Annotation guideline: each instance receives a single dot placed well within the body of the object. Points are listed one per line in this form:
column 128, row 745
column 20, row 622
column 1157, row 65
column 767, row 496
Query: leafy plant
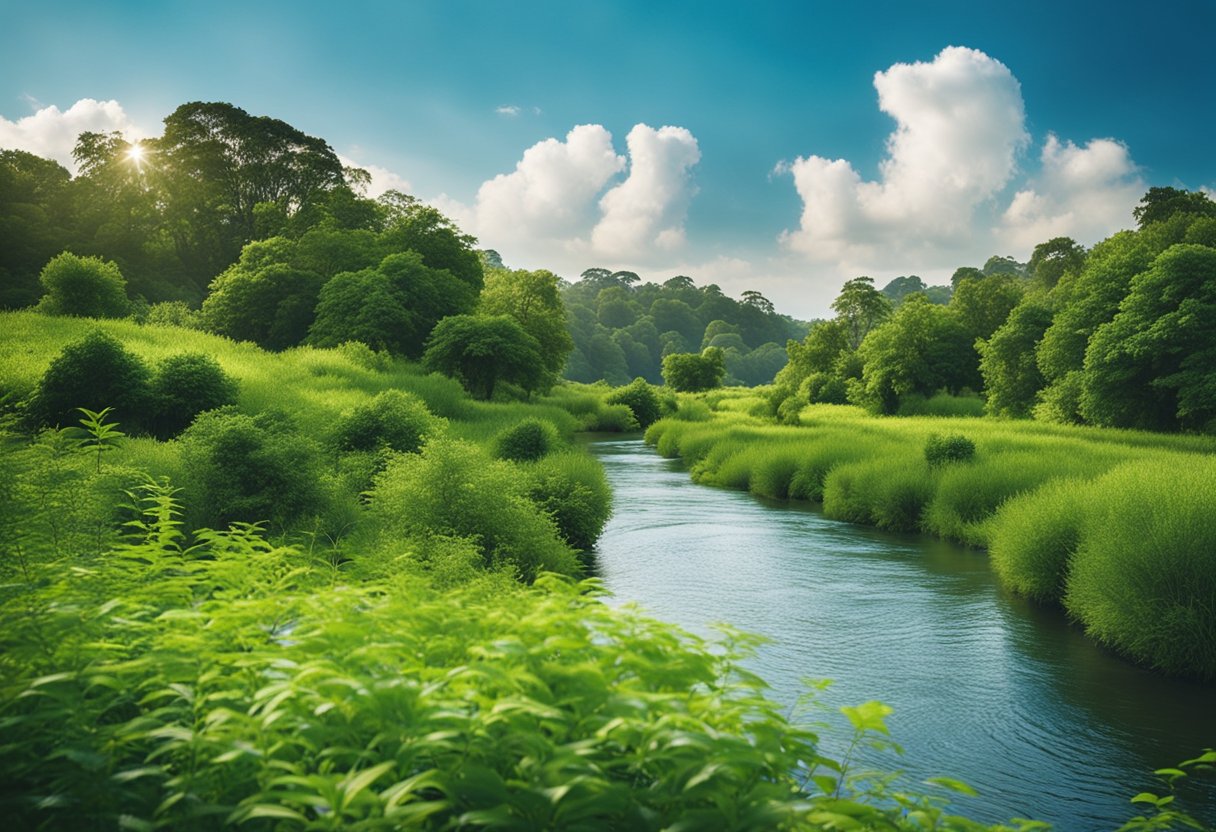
column 97, row 434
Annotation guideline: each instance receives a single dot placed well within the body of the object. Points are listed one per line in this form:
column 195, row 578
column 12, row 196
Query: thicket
column 185, row 385
column 641, row 399
column 526, row 441
column 96, row 372
column 1082, row 517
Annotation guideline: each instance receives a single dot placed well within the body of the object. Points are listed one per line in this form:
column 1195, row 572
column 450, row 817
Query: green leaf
column 352, row 786
column 953, row 785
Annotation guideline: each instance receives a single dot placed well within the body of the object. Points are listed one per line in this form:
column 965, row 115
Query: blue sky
column 783, row 172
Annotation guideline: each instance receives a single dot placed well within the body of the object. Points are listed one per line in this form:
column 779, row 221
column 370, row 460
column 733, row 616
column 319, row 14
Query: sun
column 136, row 153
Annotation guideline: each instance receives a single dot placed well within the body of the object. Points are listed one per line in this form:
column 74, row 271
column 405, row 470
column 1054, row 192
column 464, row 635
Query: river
column 987, row 688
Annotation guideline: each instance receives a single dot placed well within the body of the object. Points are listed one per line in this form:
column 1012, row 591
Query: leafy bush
column 392, row 420
column 173, row 313
column 641, row 399
column 95, row 372
column 942, row 449
column 184, row 386
column 693, row 410
column 249, row 469
column 86, row 287
column 572, row 489
column 453, row 489
column 526, row 441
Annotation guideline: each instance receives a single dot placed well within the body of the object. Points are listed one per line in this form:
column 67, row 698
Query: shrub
column 95, row 372
column 693, row 410
column 1144, row 576
column 451, row 488
column 1034, row 535
column 572, row 489
column 641, row 399
column 392, row 420
column 526, row 441
column 249, row 469
column 184, row 386
column 942, row 449
column 173, row 313
column 86, row 287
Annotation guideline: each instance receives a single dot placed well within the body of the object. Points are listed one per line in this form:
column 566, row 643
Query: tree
column 1151, row 366
column 85, row 287
column 258, row 299
column 901, row 287
column 692, row 373
column 758, row 301
column 482, row 350
column 35, row 215
column 412, row 225
column 996, row 264
column 962, row 273
column 922, row 349
column 1162, row 203
column 362, row 306
column 222, row 161
column 1007, row 360
column 1052, row 259
column 983, row 305
column 860, row 307
column 532, row 299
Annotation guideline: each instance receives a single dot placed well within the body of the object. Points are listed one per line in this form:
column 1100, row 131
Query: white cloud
column 51, row 132
column 382, row 179
column 509, row 110
column 647, row 210
column 565, row 205
column 1079, row 192
column 959, row 129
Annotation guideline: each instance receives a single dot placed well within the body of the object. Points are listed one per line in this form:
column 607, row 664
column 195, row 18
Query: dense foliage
column 623, row 328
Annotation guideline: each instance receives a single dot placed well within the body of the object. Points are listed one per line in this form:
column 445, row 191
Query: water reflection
column 986, row 687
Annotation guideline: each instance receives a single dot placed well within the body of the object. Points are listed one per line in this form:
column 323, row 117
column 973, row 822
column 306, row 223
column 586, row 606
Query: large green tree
column 532, row 299
column 482, row 350
column 922, row 349
column 1007, row 359
column 860, row 307
column 692, row 372
column 1154, row 365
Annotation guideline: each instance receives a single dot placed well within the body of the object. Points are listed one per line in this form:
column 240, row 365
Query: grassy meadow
column 1113, row 525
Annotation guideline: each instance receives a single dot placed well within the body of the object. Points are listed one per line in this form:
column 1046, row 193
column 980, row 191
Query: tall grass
column 1035, row 537
column 1144, row 576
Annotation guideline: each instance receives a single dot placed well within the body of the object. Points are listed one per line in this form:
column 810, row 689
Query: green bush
column 572, row 489
column 452, row 488
column 184, row 386
column 1034, row 536
column 173, row 313
column 1143, row 579
column 95, row 372
column 693, row 410
column 85, row 287
column 942, row 449
column 250, row 469
column 641, row 400
column 392, row 420
column 526, row 441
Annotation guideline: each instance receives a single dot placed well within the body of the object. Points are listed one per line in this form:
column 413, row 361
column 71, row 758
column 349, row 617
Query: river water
column 987, row 688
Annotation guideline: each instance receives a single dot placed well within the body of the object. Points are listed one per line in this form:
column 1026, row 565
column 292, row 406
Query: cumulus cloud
column 566, row 203
column 1079, row 192
column 51, row 132
column 382, row 179
column 509, row 110
column 959, row 129
column 647, row 210
column 549, row 196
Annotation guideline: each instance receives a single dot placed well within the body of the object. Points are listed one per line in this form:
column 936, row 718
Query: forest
column 298, row 531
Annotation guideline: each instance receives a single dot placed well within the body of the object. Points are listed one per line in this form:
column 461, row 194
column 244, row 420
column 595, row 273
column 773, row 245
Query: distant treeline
column 624, row 328
column 1119, row 335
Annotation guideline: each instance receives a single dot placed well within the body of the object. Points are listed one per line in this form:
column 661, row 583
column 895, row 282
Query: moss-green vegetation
column 1102, row 521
